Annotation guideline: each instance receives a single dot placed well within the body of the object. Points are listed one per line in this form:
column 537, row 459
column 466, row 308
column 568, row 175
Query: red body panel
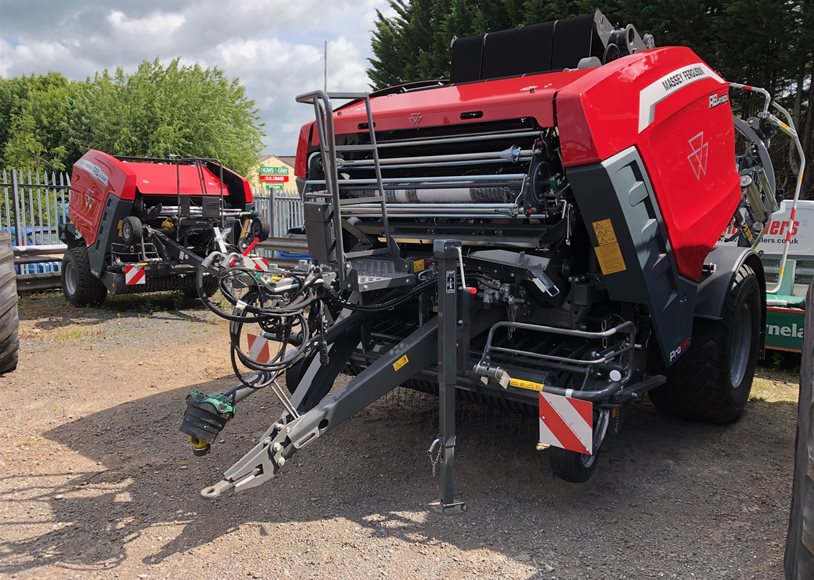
column 665, row 102
column 162, row 179
column 95, row 177
column 687, row 145
column 498, row 100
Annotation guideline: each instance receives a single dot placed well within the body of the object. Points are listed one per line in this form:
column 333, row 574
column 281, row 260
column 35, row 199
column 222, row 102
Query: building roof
column 287, row 159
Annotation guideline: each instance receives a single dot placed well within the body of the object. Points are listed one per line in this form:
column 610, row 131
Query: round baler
column 142, row 224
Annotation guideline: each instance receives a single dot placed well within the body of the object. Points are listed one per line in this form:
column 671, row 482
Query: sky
column 274, row 47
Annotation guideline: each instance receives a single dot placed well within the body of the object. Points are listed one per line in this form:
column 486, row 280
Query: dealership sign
column 774, row 238
column 268, row 170
column 784, row 328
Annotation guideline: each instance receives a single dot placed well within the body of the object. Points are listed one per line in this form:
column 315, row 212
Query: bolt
column 276, row 447
column 280, row 461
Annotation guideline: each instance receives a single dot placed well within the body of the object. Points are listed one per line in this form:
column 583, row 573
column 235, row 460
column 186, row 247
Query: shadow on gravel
column 50, row 310
column 374, row 474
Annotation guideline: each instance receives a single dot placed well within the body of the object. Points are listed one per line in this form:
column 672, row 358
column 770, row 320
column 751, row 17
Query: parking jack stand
column 447, row 254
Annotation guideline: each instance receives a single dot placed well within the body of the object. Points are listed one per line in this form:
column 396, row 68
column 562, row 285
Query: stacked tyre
column 9, row 321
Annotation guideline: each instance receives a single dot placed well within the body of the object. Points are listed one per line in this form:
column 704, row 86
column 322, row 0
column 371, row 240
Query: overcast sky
column 273, row 46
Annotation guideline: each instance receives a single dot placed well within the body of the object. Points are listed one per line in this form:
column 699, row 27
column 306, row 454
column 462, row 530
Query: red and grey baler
column 539, row 231
column 143, row 224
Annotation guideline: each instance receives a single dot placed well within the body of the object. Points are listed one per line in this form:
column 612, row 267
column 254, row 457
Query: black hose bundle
column 290, row 310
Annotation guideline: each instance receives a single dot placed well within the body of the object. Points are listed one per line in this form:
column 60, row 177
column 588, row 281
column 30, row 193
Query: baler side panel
column 97, row 177
column 675, row 110
column 618, row 206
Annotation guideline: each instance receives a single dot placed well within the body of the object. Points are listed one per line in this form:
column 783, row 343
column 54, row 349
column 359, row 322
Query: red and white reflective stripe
column 134, row 274
column 258, row 349
column 261, row 264
column 566, row 423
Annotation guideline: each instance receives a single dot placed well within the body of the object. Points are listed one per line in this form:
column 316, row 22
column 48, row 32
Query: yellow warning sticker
column 608, row 252
column 418, row 266
column 528, row 385
column 605, row 234
column 400, row 363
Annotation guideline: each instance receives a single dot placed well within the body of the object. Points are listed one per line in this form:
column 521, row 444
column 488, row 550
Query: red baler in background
column 143, row 225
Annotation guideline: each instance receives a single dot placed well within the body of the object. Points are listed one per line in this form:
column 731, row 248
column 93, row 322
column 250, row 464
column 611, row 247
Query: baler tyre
column 132, row 230
column 210, row 287
column 799, row 553
column 572, row 466
column 260, row 228
column 9, row 319
column 80, row 286
column 712, row 380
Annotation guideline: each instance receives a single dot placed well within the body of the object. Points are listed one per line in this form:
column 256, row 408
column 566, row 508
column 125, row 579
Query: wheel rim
column 587, row 460
column 70, row 278
column 740, row 345
column 126, row 230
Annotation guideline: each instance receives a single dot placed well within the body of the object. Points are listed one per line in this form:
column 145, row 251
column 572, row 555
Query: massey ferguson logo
column 415, row 119
column 700, row 154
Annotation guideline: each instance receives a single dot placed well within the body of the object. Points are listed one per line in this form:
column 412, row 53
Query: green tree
column 765, row 43
column 48, row 122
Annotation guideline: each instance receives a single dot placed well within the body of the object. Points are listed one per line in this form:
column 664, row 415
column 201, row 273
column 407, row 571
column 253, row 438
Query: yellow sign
column 418, row 266
column 608, row 252
column 528, row 385
column 400, row 363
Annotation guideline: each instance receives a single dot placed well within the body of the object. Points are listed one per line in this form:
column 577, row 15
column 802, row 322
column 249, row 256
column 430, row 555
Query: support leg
column 445, row 251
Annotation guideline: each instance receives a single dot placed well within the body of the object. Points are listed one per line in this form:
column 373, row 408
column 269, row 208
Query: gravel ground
column 97, row 481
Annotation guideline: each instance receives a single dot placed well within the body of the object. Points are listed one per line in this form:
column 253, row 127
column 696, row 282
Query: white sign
column 774, row 237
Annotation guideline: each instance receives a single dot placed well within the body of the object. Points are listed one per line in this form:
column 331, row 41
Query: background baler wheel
column 9, row 320
column 79, row 285
column 132, row 230
column 711, row 381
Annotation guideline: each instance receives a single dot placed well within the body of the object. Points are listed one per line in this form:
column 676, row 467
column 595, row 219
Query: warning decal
column 566, row 422
column 134, row 274
column 529, row 385
column 258, row 349
column 608, row 252
column 400, row 363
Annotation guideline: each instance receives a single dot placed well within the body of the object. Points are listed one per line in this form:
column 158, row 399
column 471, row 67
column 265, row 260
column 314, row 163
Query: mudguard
column 712, row 291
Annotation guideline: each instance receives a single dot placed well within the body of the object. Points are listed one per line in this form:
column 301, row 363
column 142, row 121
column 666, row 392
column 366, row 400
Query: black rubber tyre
column 210, row 287
column 572, row 466
column 132, row 230
column 712, row 380
column 9, row 320
column 260, row 228
column 80, row 286
column 799, row 557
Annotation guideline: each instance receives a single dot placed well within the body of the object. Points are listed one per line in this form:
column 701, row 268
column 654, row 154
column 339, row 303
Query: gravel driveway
column 96, row 479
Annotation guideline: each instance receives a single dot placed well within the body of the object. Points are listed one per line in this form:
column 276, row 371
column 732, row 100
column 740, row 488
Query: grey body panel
column 619, row 189
column 115, row 210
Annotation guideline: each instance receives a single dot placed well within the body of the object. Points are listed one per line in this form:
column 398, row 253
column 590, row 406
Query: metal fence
column 283, row 212
column 32, row 205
